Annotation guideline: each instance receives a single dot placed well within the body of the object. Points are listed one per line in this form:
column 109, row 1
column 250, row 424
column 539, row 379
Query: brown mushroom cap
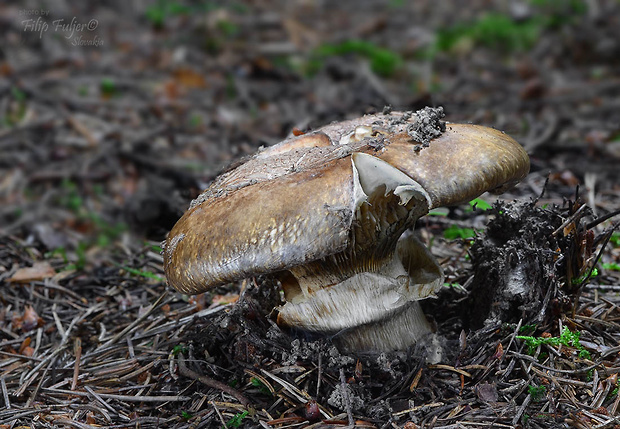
column 266, row 227
column 296, row 202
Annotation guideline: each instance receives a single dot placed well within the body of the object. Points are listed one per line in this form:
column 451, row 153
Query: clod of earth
column 328, row 214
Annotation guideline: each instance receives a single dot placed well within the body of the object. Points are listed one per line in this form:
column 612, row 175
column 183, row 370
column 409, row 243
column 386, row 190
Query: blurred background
column 114, row 114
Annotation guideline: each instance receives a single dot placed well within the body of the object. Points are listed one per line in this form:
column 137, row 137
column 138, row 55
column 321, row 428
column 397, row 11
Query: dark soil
column 111, row 124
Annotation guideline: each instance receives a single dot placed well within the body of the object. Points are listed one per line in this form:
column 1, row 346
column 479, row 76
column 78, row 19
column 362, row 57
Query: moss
column 382, row 61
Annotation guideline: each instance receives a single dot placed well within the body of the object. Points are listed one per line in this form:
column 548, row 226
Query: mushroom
column 330, row 214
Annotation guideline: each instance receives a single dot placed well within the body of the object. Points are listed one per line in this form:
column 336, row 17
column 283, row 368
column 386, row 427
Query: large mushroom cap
column 296, row 202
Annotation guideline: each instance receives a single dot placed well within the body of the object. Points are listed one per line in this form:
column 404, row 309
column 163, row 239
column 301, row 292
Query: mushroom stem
column 373, row 309
column 363, row 295
column 399, row 331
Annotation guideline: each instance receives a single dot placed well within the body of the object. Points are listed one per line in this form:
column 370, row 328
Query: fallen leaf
column 229, row 298
column 199, row 301
column 565, row 177
column 189, row 78
column 499, row 351
column 27, row 321
column 25, row 343
column 38, row 271
column 27, row 351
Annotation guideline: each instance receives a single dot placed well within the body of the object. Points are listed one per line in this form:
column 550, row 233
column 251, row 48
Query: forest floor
column 113, row 117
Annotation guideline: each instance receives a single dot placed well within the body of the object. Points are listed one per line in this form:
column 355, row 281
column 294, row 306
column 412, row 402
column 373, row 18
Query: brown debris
column 39, row 271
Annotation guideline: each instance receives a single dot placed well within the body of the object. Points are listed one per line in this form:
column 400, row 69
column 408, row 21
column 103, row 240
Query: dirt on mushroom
column 427, row 124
